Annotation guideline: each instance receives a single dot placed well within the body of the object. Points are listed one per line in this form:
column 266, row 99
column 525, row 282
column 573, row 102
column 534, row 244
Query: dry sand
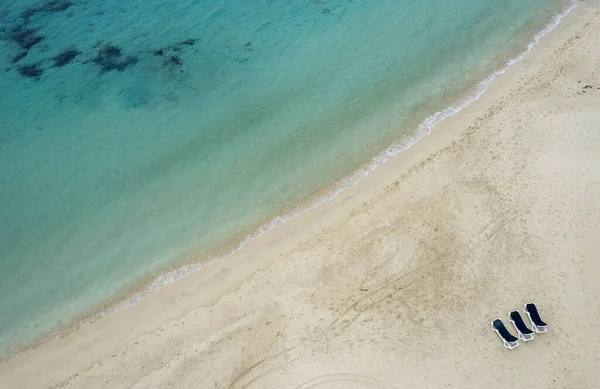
column 394, row 283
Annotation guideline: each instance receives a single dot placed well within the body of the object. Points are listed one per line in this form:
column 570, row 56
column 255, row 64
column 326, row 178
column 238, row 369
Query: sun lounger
column 524, row 333
column 537, row 323
column 508, row 339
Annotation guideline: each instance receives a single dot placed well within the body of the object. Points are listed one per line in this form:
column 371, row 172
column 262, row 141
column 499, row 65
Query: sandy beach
column 394, row 283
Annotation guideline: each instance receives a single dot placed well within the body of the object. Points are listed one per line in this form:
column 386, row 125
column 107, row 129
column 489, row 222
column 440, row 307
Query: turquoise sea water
column 135, row 134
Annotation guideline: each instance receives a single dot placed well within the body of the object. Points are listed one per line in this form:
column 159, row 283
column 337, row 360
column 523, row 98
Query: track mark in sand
column 268, row 365
column 270, row 370
column 382, row 293
column 265, row 366
column 489, row 231
column 370, row 297
column 347, row 380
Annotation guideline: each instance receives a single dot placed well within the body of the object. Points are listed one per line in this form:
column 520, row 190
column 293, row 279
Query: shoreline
column 213, row 293
column 357, row 176
column 351, row 180
column 134, row 294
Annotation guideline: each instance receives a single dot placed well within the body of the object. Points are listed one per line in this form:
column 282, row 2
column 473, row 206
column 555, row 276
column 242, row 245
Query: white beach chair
column 537, row 323
column 523, row 332
column 510, row 342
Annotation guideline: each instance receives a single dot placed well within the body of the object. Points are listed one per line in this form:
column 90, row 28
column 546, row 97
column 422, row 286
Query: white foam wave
column 353, row 179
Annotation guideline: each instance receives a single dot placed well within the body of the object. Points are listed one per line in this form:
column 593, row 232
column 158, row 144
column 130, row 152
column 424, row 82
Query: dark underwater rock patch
column 169, row 52
column 109, row 58
column 109, row 50
column 55, row 5
column 33, row 71
column 174, row 60
column 29, row 12
column 65, row 57
column 187, row 42
column 50, row 6
column 26, row 38
column 19, row 57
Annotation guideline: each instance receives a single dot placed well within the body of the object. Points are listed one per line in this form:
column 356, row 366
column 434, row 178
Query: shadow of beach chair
column 523, row 332
column 508, row 339
column 537, row 323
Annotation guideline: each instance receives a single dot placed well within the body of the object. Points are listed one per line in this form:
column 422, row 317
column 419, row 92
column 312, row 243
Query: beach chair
column 537, row 323
column 508, row 339
column 524, row 333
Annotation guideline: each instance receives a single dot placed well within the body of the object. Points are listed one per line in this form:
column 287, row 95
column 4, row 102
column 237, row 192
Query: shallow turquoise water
column 179, row 125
